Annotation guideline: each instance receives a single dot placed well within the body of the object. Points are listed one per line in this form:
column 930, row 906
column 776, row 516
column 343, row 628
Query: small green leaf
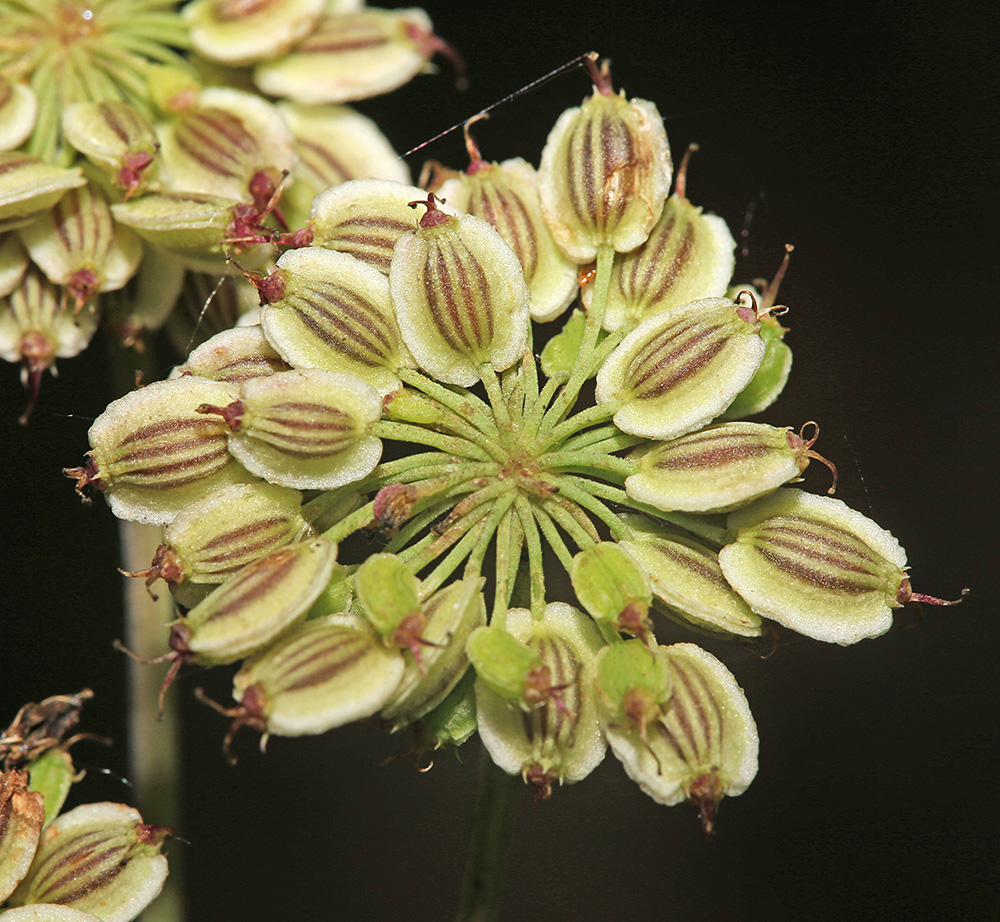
column 52, row 775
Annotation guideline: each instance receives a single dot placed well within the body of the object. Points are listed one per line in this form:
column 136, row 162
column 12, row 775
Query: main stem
column 487, row 857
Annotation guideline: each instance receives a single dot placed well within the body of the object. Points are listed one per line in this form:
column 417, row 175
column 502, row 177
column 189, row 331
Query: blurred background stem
column 154, row 755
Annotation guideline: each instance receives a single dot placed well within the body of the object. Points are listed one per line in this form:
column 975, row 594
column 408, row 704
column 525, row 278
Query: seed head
column 605, row 173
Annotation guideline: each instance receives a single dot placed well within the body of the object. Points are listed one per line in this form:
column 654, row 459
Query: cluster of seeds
column 138, row 150
column 409, row 321
column 96, row 862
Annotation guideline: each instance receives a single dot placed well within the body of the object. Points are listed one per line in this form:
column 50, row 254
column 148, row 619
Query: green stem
column 530, row 369
column 581, row 491
column 533, row 421
column 512, row 388
column 604, row 438
column 555, row 540
column 153, row 735
column 535, row 561
column 576, row 423
column 592, row 460
column 503, row 573
column 462, row 549
column 404, row 432
column 465, row 404
column 347, row 526
column 595, row 317
column 390, row 471
column 573, row 520
column 499, row 514
column 495, row 393
column 699, row 525
column 463, row 516
column 487, row 857
column 463, row 429
column 416, row 526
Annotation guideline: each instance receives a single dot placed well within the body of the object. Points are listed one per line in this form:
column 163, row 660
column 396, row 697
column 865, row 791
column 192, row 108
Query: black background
column 870, row 132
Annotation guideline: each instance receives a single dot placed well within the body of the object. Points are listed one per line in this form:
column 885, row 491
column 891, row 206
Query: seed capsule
column 37, row 324
column 688, row 256
column 680, row 369
column 335, row 144
column 816, row 566
column 190, row 225
column 434, row 667
column 719, row 468
column 334, row 312
column 612, row 587
column 686, row 577
column 505, row 195
column 365, row 218
column 460, row 297
column 154, row 452
column 704, row 744
column 303, row 429
column 560, row 740
column 234, row 356
column 256, row 605
column 633, row 684
column 99, row 858
column 324, row 675
column 117, row 138
column 225, row 530
column 605, row 173
column 509, row 667
column 453, row 721
column 225, row 146
column 78, row 245
column 238, row 33
column 22, row 813
column 29, row 186
column 388, row 592
column 13, row 263
column 353, row 56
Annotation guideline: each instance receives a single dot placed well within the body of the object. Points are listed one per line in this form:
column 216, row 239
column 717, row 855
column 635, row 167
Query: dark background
column 869, row 139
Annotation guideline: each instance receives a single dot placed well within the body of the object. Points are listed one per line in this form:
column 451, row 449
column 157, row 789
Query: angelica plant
column 394, row 571
column 613, row 454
